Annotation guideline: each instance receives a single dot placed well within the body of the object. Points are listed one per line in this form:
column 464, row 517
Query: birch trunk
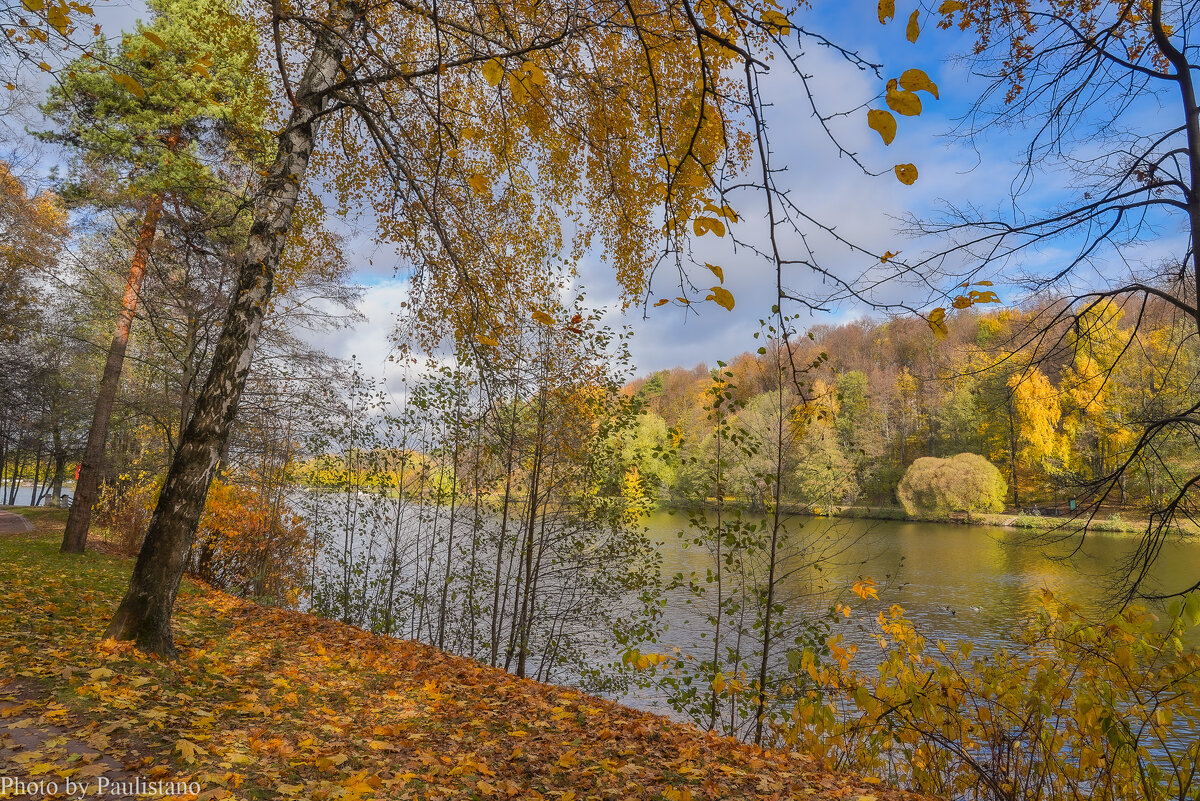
column 144, row 615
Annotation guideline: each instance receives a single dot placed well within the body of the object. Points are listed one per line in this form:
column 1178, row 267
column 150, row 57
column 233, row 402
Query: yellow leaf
column 44, row 67
column 722, row 211
column 883, row 123
column 914, row 26
column 902, row 101
column 915, row 80
column 983, row 283
column 723, row 297
column 703, row 225
column 478, row 182
column 937, row 323
column 188, row 750
column 961, row 302
column 329, row 762
column 717, row 271
column 718, row 682
column 493, row 71
column 33, row 5
column 907, row 173
column 543, row 318
column 950, row 6
column 129, row 84
column 520, row 93
column 886, row 257
column 887, row 10
column 662, row 302
column 776, row 22
column 567, row 760
column 486, row 340
column 58, row 18
column 865, row 588
column 151, row 36
column 536, row 76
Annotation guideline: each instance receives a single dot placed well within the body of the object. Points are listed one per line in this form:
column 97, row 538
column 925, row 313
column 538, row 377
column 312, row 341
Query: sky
column 864, row 209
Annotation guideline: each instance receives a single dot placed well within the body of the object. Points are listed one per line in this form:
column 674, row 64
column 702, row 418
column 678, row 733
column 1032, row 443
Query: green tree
column 859, row 426
column 180, row 96
column 959, row 420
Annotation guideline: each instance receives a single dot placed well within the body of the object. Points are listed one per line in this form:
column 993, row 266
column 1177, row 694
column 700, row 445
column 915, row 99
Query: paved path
column 11, row 523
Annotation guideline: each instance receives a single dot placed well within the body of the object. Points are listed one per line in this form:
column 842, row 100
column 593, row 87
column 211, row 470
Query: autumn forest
column 671, row 399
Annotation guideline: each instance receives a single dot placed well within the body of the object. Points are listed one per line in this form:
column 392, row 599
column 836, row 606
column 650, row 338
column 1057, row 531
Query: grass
column 271, row 704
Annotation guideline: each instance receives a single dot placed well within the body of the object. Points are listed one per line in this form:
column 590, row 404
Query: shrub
column 935, row 488
column 1073, row 709
column 123, row 509
column 249, row 545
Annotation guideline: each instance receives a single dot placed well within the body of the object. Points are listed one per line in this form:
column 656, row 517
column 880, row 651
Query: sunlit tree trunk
column 92, row 466
column 144, row 614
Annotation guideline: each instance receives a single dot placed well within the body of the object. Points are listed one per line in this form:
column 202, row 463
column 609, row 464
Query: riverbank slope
column 267, row 703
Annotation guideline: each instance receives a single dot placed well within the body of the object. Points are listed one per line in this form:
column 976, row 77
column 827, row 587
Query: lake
column 25, row 494
column 954, row 581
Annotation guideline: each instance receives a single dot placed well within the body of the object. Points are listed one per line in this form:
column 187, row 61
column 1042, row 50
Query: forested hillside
column 1052, row 413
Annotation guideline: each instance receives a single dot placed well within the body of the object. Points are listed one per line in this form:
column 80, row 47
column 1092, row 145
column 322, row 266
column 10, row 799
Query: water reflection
column 954, row 581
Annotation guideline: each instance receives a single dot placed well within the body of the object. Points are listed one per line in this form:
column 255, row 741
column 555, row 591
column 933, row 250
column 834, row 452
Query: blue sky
column 864, row 208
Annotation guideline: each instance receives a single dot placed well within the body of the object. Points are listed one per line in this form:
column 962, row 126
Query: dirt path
column 43, row 746
column 11, row 523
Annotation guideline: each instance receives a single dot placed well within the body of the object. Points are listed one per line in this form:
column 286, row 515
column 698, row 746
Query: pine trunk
column 144, row 615
column 92, row 466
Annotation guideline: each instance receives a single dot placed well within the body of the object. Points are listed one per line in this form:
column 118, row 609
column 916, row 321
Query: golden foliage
column 270, row 703
column 251, row 544
column 1074, row 709
column 33, row 230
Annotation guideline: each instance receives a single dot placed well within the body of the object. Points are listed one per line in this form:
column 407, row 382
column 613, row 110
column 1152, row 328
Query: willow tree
column 151, row 122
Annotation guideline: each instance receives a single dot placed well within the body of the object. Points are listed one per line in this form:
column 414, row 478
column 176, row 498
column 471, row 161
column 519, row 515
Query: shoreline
column 1018, row 520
